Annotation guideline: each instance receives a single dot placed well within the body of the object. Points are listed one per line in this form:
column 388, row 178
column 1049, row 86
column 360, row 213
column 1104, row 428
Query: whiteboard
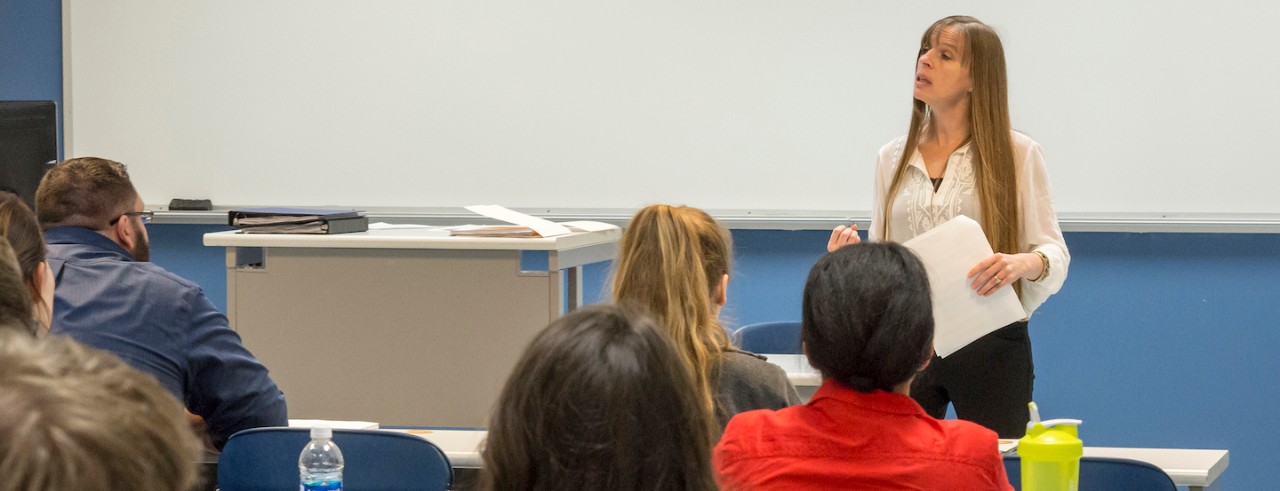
column 1140, row 106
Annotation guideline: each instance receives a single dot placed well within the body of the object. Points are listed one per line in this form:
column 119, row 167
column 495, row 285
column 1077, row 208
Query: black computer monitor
column 28, row 144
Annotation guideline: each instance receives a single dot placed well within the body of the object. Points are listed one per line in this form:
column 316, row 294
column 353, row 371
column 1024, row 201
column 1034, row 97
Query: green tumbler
column 1050, row 454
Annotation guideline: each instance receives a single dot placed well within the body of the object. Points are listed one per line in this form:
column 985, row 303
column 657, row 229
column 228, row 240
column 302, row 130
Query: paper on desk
column 545, row 228
column 588, row 226
column 960, row 315
column 397, row 226
column 335, row 424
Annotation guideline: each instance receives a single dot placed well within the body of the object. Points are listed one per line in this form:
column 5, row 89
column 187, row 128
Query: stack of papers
column 311, row 227
column 522, row 225
column 1006, row 446
column 960, row 315
column 297, row 221
column 493, row 231
column 340, row 425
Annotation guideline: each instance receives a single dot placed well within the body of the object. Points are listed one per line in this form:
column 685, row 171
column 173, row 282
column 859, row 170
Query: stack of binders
column 297, row 221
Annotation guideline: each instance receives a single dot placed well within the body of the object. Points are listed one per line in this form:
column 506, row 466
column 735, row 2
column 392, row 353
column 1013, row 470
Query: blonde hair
column 670, row 262
column 990, row 130
column 78, row 418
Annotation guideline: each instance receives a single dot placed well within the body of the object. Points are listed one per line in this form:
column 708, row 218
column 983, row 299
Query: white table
column 798, row 369
column 804, row 377
column 403, row 327
column 1196, row 469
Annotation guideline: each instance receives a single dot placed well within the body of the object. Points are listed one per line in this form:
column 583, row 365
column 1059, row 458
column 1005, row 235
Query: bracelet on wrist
column 1044, row 269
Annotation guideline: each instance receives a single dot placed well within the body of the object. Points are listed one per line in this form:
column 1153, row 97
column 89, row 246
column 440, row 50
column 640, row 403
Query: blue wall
column 1153, row 341
column 31, row 52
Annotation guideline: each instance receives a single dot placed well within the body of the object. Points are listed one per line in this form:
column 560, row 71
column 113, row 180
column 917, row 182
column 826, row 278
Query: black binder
column 248, row 217
column 318, row 227
column 297, row 221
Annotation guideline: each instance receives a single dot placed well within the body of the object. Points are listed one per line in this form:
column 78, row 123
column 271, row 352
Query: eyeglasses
column 144, row 215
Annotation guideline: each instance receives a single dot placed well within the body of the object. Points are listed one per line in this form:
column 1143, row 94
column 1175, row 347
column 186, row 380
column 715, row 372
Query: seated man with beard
column 110, row 297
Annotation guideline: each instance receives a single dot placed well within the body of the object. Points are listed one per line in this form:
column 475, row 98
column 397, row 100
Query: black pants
column 989, row 381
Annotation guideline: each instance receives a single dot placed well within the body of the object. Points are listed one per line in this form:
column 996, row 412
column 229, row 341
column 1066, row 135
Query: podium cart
column 402, row 327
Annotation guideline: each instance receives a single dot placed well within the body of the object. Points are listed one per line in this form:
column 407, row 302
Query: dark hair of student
column 599, row 400
column 867, row 318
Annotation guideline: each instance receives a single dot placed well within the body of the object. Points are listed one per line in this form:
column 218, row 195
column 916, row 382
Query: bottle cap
column 1052, row 440
column 323, row 432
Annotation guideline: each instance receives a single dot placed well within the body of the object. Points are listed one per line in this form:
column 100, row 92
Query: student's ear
column 124, row 234
column 42, row 278
column 927, row 359
column 722, row 291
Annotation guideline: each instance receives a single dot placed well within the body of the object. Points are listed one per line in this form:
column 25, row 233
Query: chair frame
column 267, row 458
column 770, row 338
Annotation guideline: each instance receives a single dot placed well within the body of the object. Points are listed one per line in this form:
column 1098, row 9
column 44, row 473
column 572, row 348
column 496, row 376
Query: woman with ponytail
column 674, row 262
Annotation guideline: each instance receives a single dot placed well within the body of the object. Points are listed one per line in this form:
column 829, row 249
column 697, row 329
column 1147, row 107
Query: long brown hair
column 599, row 400
column 15, row 302
column 18, row 225
column 990, row 130
column 670, row 262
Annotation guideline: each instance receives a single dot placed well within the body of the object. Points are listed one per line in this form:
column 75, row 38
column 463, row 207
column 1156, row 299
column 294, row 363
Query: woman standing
column 962, row 157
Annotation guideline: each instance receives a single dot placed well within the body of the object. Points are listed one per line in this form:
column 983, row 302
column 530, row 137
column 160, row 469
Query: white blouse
column 918, row 208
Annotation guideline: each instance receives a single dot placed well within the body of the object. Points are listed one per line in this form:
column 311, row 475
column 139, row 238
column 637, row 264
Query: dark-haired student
column 868, row 327
column 599, row 400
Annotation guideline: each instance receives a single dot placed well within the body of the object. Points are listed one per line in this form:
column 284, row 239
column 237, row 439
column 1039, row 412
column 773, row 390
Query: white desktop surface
column 1195, row 468
column 410, row 239
column 797, row 368
column 1187, row 467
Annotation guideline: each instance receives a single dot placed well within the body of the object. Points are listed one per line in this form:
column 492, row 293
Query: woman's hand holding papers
column 998, row 270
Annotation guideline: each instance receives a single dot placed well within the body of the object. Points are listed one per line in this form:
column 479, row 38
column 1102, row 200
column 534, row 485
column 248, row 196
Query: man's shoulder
column 165, row 276
column 78, row 257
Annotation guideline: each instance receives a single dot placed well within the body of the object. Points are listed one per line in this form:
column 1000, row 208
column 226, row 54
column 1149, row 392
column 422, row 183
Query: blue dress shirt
column 161, row 324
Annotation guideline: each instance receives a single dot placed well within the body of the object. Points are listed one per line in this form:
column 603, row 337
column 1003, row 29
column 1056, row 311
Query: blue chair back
column 781, row 338
column 266, row 459
column 1106, row 474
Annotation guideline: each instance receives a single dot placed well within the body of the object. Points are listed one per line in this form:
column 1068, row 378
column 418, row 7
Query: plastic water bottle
column 1050, row 454
column 320, row 463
